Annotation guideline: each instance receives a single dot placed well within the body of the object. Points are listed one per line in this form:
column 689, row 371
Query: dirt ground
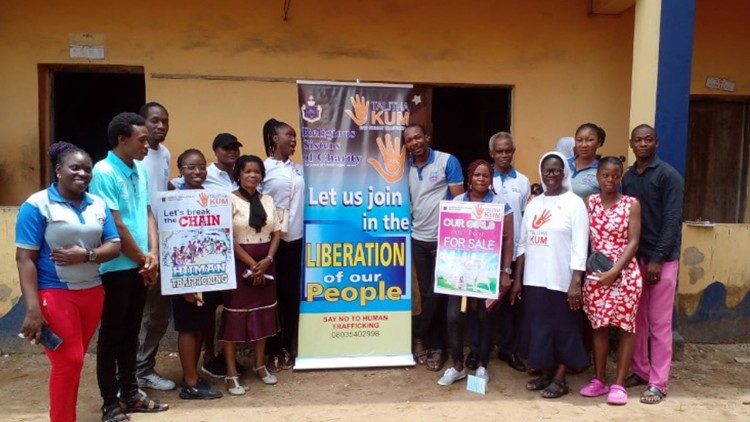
column 707, row 384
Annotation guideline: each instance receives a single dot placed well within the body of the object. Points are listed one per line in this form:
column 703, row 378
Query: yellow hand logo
column 361, row 109
column 394, row 159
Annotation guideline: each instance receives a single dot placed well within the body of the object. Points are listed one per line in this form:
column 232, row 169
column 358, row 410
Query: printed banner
column 355, row 306
column 469, row 245
column 195, row 241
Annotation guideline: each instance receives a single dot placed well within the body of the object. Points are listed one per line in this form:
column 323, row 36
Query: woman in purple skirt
column 250, row 311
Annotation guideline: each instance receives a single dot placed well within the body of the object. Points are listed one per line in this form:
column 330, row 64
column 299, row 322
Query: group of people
column 595, row 251
column 87, row 253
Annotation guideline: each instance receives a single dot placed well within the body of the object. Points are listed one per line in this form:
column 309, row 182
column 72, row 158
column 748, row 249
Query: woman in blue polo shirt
column 62, row 234
column 480, row 189
column 589, row 137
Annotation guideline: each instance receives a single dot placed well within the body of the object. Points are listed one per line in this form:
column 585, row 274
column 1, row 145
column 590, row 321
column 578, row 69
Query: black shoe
column 215, row 367
column 240, row 368
column 472, row 362
column 113, row 413
column 200, row 391
column 512, row 360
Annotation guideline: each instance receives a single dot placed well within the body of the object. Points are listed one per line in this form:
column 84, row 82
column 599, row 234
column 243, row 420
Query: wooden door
column 717, row 161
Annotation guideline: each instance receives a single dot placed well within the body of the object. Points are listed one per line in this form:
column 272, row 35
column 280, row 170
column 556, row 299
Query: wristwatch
column 91, row 255
column 508, row 270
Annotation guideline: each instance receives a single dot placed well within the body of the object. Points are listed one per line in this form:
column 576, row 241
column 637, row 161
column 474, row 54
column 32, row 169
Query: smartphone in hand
column 49, row 338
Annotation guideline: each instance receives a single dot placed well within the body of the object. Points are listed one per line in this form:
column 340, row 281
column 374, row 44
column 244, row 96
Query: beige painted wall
column 10, row 290
column 721, row 47
column 710, row 254
column 567, row 66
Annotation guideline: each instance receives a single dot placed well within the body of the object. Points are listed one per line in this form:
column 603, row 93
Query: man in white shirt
column 218, row 174
column 513, row 187
column 158, row 308
column 227, row 150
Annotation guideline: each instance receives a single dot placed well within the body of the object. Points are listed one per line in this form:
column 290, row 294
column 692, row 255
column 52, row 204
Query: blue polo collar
column 430, row 157
column 572, row 165
column 512, row 173
column 120, row 165
column 488, row 197
column 54, row 195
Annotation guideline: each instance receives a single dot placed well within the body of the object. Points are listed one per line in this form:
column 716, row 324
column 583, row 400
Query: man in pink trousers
column 659, row 188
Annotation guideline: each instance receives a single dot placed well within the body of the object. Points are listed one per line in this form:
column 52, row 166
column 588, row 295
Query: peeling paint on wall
column 712, row 321
column 10, row 290
column 714, row 290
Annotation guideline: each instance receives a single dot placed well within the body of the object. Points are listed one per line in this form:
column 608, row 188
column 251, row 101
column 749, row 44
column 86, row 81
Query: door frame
column 742, row 212
column 46, row 72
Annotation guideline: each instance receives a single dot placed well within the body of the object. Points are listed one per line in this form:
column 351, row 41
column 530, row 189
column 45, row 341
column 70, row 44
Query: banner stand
column 355, row 298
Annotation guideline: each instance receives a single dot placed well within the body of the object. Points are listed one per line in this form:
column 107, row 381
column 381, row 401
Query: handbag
column 597, row 262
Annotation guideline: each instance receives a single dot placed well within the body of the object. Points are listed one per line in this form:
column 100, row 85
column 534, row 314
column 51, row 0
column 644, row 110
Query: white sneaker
column 482, row 373
column 451, row 375
column 155, row 381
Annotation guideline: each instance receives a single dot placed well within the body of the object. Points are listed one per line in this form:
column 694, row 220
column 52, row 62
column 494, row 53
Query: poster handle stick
column 463, row 304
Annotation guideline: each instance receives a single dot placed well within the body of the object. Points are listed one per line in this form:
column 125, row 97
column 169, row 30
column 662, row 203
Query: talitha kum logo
column 205, row 200
column 378, row 114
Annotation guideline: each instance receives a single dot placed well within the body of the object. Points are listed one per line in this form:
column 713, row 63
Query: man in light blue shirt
column 122, row 182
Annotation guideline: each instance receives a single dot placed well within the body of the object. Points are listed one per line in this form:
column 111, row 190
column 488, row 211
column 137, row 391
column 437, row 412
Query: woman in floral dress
column 611, row 298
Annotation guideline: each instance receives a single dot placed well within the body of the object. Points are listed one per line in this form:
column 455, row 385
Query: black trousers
column 507, row 319
column 124, row 299
column 429, row 325
column 504, row 322
column 477, row 314
column 288, row 285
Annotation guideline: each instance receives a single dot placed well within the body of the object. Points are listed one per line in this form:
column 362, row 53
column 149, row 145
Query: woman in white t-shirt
column 552, row 260
column 285, row 183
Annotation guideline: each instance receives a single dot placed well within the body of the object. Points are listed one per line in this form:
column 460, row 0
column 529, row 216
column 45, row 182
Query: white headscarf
column 566, row 170
column 565, row 146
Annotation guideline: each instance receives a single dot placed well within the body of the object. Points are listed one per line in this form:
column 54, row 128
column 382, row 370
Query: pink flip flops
column 617, row 395
column 594, row 388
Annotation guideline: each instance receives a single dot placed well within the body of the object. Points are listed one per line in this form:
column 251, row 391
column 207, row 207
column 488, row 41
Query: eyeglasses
column 193, row 167
column 552, row 172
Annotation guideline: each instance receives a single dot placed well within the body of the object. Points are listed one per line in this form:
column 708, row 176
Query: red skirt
column 250, row 312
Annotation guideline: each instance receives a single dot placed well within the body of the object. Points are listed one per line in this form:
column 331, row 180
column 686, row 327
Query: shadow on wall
column 713, row 321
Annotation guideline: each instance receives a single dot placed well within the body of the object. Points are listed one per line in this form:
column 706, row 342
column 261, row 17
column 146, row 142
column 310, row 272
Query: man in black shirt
column 659, row 188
